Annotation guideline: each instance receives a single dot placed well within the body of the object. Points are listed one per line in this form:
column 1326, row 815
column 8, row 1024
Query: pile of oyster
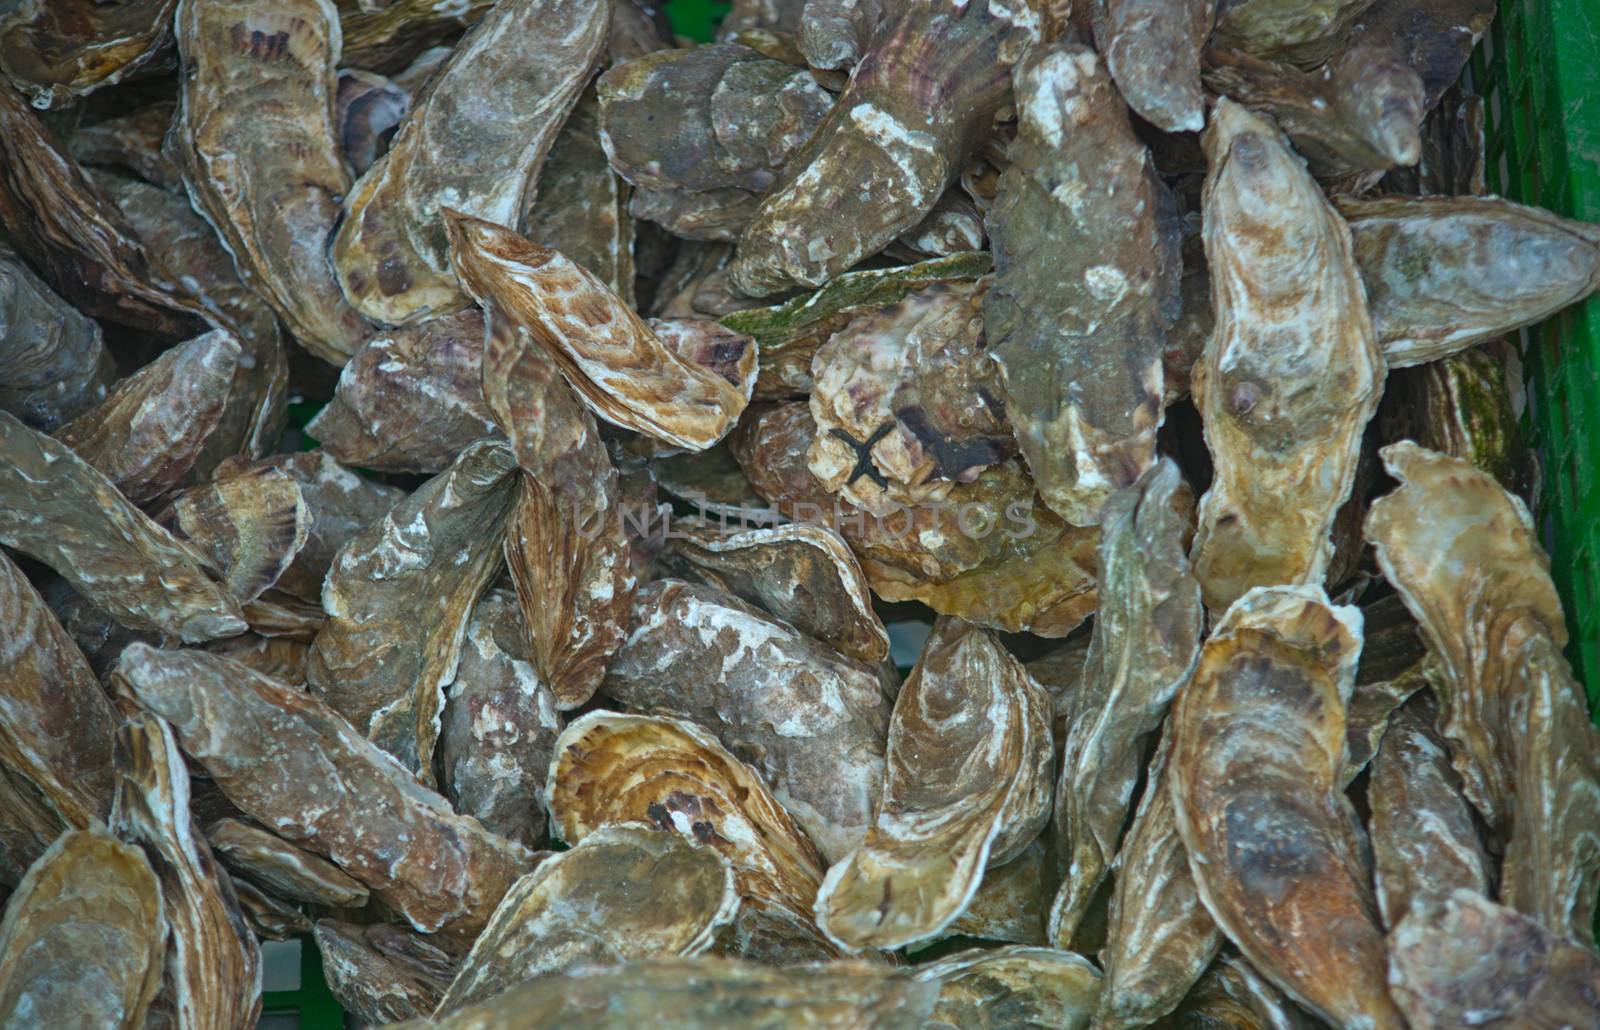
column 1137, row 369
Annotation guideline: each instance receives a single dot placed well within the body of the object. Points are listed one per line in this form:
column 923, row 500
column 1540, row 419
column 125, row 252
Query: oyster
column 1086, row 280
column 1291, row 373
column 270, row 918
column 1424, row 844
column 365, row 982
column 290, row 762
column 1009, row 987
column 1372, row 704
column 500, row 97
column 54, row 364
column 1435, row 37
column 1445, row 273
column 57, row 50
column 213, row 967
column 1274, row 846
column 967, row 785
column 624, row 893
column 612, row 768
column 915, row 110
column 907, row 402
column 1466, row 961
column 1361, row 112
column 428, row 959
column 254, row 135
column 399, row 597
column 1303, row 32
column 83, row 936
column 775, row 16
column 131, row 141
column 803, row 574
column 1233, row 994
column 1462, row 406
column 288, row 872
column 775, row 935
column 812, row 721
column 1152, row 48
column 146, row 436
column 411, row 400
column 55, row 507
column 833, row 34
column 499, row 725
column 954, row 226
column 250, row 527
column 384, row 35
column 1146, row 640
column 367, row 109
column 1011, row 902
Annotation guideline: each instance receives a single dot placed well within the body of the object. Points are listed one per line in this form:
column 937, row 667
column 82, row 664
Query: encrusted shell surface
column 365, row 982
column 1302, row 31
column 1012, row 986
column 289, row 872
column 1152, row 48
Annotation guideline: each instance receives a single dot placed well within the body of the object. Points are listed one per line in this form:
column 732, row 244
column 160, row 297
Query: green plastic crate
column 1541, row 84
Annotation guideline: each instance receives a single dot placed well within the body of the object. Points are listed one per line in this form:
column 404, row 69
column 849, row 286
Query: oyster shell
column 1012, row 900
column 834, row 34
column 775, row 935
column 1274, row 846
column 1303, row 32
column 1012, row 986
column 777, row 16
column 1445, row 273
column 399, row 597
column 1465, row 961
column 1152, row 48
column 411, row 400
column 83, row 936
column 1146, row 641
column 131, row 141
column 287, row 871
column 365, row 982
column 624, row 893
column 1462, row 406
column 611, row 768
column 55, row 365
column 61, row 49
column 430, row 960
column 1435, row 37
column 499, row 725
column 384, row 35
column 250, row 527
column 367, row 108
column 270, row 918
column 1085, row 288
column 812, row 721
column 147, row 434
column 500, row 97
column 1233, row 994
column 954, row 226
column 915, row 110
column 255, row 137
column 1291, row 373
column 55, row 507
column 1424, row 844
column 803, row 574
column 213, row 966
column 290, row 762
column 967, row 785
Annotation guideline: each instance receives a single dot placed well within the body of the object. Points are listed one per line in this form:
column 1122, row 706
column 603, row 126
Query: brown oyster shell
column 399, row 597
column 1146, row 641
column 624, row 893
column 1435, row 37
column 1303, row 32
column 132, row 141
column 270, row 918
column 255, row 136
column 63, row 49
column 1012, row 986
column 954, row 226
column 365, row 982
column 250, row 527
column 384, row 35
column 1152, row 49
column 1012, row 900
column 811, row 721
column 54, row 364
column 367, row 107
column 1291, row 373
column 1232, row 994
column 289, row 872
column 833, row 34
column 500, row 97
column 1274, row 847
column 213, row 966
column 429, row 959
column 56, row 508
column 966, row 785
column 83, row 936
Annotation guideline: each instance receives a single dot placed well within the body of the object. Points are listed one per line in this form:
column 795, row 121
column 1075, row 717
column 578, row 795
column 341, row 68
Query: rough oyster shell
column 56, row 50
column 289, row 872
column 1152, row 48
column 1012, row 986
column 1304, row 32
column 365, row 982
column 250, row 527
column 132, row 141
column 55, row 365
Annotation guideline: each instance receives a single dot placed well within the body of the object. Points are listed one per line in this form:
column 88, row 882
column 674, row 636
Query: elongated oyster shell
column 82, row 939
column 1258, row 746
column 811, row 721
column 131, row 141
column 967, row 785
column 384, row 35
column 28, row 826
column 1086, row 279
column 1445, row 273
column 1465, row 961
column 1292, row 371
column 1371, row 704
column 1146, row 641
column 411, row 400
column 1152, row 48
column 803, row 574
column 1302, row 31
column 250, row 526
column 399, row 597
column 429, row 959
column 55, row 722
column 287, row 871
column 499, row 725
column 611, row 768
column 254, row 135
column 270, row 918
column 213, row 967
column 835, row 33
column 1012, row 986
column 57, row 50
column 55, row 507
column 1361, row 112
column 501, row 97
column 624, row 893
column 773, row 934
column 915, row 110
column 54, row 364
column 1434, row 36
column 367, row 108
column 1462, row 406
column 293, row 764
column 75, row 238
column 1232, row 994
column 365, row 982
column 1011, row 901
column 279, row 658
column 1424, row 844
column 147, row 434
